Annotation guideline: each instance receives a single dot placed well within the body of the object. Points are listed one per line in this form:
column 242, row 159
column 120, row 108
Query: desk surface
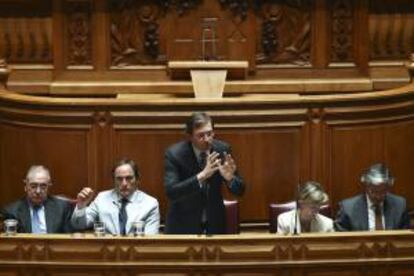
column 378, row 253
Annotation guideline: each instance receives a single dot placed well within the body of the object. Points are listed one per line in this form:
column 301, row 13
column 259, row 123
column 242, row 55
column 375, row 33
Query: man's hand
column 228, row 167
column 212, row 165
column 84, row 197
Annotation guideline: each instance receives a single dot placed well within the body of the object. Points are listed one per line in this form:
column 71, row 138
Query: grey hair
column 313, row 192
column 36, row 169
column 377, row 174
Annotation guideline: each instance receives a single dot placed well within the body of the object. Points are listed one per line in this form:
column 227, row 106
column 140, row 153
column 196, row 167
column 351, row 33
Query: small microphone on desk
column 295, row 228
column 116, row 204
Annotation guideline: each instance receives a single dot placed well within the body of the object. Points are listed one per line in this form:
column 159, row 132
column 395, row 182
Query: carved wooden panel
column 79, row 32
column 212, row 31
column 342, row 13
column 255, row 254
column 391, row 29
column 26, row 32
column 285, row 28
column 135, row 32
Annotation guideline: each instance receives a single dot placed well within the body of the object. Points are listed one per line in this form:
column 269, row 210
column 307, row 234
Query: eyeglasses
column 128, row 178
column 41, row 186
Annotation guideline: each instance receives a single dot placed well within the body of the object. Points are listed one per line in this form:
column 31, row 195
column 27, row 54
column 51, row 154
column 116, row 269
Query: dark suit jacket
column 353, row 213
column 57, row 213
column 186, row 199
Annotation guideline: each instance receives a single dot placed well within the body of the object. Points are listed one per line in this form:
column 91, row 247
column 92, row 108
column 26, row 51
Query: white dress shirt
column 371, row 214
column 42, row 218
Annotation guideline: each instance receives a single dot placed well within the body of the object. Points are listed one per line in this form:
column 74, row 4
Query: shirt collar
column 130, row 198
column 370, row 204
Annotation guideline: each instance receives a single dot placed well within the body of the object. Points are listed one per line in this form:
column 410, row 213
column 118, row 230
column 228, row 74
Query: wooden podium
column 208, row 77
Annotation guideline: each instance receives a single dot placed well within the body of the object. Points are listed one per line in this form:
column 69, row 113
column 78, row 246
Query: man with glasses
column 195, row 171
column 38, row 212
column 376, row 208
column 119, row 208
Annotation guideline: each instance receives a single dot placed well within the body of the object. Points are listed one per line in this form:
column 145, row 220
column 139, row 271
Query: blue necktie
column 36, row 225
column 123, row 217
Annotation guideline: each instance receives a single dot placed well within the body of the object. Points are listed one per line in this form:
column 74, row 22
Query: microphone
column 116, row 204
column 295, row 227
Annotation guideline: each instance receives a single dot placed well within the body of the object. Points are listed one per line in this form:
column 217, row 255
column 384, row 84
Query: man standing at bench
column 195, row 170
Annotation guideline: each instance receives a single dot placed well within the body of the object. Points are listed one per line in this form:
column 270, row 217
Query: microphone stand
column 295, row 228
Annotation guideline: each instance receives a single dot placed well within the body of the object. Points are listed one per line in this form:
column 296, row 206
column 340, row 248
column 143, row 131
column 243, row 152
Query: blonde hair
column 312, row 191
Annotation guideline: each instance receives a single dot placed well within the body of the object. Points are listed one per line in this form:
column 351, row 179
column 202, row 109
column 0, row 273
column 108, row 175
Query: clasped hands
column 226, row 166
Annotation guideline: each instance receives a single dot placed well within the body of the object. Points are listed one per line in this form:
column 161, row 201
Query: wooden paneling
column 65, row 46
column 252, row 254
column 64, row 152
column 268, row 176
column 277, row 142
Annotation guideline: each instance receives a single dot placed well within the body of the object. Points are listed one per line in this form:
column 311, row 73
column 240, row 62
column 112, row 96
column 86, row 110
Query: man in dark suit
column 377, row 208
column 195, row 171
column 38, row 212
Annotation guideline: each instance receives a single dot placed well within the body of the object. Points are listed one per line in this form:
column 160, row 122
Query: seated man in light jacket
column 306, row 217
column 120, row 207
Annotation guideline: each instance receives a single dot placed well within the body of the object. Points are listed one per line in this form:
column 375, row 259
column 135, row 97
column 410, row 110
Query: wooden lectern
column 208, row 77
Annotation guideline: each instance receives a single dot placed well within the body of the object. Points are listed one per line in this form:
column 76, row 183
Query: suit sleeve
column 152, row 222
column 67, row 214
column 236, row 185
column 176, row 188
column 83, row 218
column 405, row 218
column 342, row 222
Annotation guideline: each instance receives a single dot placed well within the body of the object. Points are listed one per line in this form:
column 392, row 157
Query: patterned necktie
column 123, row 217
column 36, row 225
column 378, row 218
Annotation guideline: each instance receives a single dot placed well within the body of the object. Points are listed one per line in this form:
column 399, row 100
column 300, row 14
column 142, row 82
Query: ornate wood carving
column 350, row 254
column 79, row 38
column 134, row 32
column 26, row 39
column 342, row 30
column 26, row 31
column 238, row 7
column 285, row 31
column 181, row 6
column 391, row 30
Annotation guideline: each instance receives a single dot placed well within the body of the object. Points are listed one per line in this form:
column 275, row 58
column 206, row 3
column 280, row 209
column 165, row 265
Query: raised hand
column 212, row 165
column 84, row 197
column 228, row 167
